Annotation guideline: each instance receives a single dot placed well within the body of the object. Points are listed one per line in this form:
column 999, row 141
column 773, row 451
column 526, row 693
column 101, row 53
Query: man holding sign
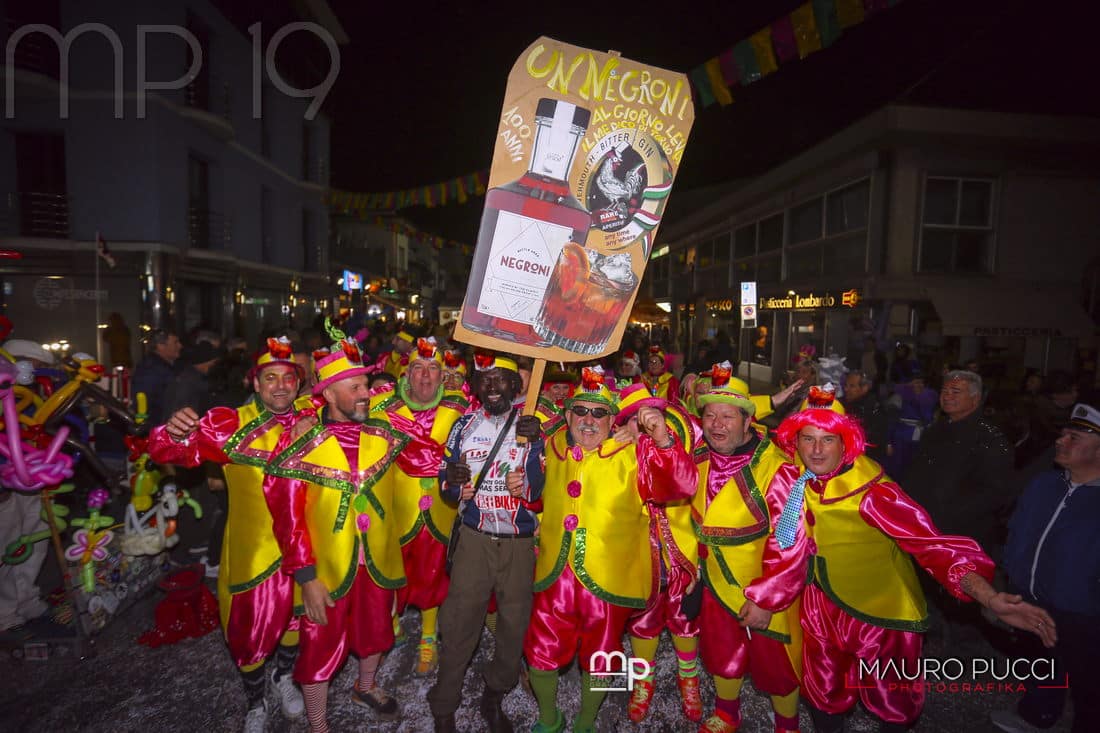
column 491, row 476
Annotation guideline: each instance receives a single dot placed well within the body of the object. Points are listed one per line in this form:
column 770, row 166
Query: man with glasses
column 592, row 572
column 492, row 477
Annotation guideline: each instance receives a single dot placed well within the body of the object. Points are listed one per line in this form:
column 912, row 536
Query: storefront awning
column 969, row 310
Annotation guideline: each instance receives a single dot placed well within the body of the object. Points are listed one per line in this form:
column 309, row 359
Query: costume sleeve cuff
column 306, row 574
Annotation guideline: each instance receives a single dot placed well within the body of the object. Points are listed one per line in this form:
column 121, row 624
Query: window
column 704, row 253
column 770, row 234
column 744, row 241
column 197, row 93
column 198, row 202
column 806, row 222
column 721, row 245
column 40, row 201
column 846, row 209
column 957, row 226
column 828, row 235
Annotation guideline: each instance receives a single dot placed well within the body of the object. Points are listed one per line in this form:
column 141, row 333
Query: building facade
column 966, row 234
column 209, row 194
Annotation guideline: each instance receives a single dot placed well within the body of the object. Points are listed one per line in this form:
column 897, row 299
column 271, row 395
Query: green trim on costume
column 249, row 428
column 715, row 539
column 590, row 584
column 411, row 534
column 376, row 575
column 781, row 638
column 559, row 564
column 821, row 580
column 439, row 535
column 249, row 585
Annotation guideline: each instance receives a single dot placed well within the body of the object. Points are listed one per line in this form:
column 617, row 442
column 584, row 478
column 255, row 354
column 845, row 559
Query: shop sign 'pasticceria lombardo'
column 587, row 148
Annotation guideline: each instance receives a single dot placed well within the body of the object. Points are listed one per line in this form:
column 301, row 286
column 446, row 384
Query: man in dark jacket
column 962, row 471
column 962, row 474
column 1053, row 559
column 862, row 403
column 156, row 371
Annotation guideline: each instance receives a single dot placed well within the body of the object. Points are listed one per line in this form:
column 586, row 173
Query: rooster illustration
column 619, row 192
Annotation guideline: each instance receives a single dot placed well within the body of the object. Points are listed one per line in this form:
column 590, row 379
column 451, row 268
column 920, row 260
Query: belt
column 495, row 536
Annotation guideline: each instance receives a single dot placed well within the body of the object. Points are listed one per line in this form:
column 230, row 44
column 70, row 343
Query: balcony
column 207, row 229
column 35, row 214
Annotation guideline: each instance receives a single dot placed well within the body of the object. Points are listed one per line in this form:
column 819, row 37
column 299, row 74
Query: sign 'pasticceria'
column 587, row 149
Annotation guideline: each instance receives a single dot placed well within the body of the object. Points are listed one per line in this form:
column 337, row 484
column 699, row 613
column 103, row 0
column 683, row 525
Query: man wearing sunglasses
column 592, row 572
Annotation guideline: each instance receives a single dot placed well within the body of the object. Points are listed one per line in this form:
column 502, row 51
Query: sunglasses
column 597, row 412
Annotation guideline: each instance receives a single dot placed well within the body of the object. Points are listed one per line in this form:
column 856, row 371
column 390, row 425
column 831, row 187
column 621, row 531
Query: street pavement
column 193, row 686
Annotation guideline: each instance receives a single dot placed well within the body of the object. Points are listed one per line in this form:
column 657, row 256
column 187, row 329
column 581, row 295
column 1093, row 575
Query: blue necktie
column 787, row 526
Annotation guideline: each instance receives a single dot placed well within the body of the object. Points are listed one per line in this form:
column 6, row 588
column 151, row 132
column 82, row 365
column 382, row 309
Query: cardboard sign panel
column 587, row 149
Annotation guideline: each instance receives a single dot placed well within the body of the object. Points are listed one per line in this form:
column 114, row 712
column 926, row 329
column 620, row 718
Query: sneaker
column 427, row 657
column 717, row 724
column 256, row 719
column 1010, row 720
column 378, row 700
column 638, row 707
column 690, row 701
column 290, row 697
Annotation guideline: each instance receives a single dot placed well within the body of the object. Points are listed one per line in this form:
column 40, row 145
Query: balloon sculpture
column 89, row 543
column 28, row 468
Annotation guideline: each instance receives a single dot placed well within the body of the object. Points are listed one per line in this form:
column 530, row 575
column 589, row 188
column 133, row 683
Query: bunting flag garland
column 456, row 190
column 814, row 25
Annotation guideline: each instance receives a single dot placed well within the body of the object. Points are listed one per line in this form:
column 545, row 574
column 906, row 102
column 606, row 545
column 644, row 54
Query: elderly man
column 332, row 505
column 419, row 407
column 254, row 600
column 590, row 576
column 495, row 477
column 1053, row 559
column 963, row 465
column 748, row 623
column 864, row 604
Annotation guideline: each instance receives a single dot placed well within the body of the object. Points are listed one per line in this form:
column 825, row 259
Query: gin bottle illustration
column 524, row 227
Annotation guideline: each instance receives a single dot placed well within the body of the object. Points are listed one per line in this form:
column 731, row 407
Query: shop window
column 770, row 234
column 957, row 226
column 744, row 241
column 846, row 209
column 806, row 222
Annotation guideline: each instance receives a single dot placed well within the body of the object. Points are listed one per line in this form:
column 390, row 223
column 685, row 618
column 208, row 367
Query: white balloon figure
column 154, row 531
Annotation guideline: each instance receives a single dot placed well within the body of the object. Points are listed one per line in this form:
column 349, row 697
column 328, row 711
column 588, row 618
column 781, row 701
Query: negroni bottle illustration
column 524, row 227
column 587, row 295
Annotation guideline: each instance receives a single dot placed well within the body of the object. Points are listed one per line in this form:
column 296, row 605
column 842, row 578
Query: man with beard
column 254, row 600
column 419, row 407
column 493, row 478
column 749, row 613
column 331, row 499
column 863, row 605
column 593, row 571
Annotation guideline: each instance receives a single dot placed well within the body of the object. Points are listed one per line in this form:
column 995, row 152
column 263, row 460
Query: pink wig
column 848, row 428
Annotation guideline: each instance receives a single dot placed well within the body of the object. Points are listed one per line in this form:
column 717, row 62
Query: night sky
column 421, row 84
